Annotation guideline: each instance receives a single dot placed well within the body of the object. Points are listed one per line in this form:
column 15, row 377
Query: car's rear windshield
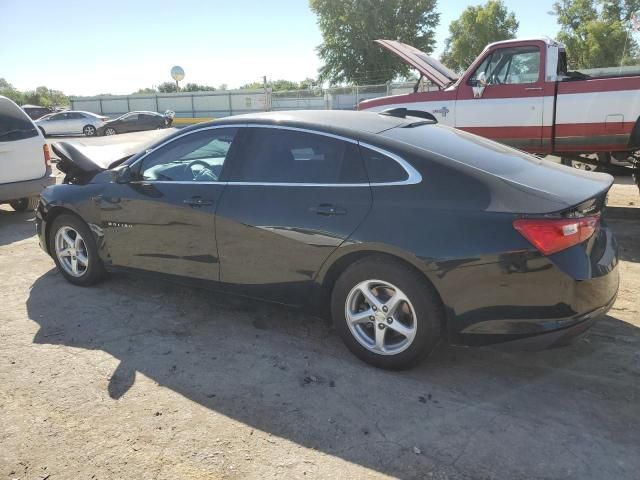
column 14, row 123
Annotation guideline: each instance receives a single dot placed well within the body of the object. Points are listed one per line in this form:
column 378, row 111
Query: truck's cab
column 519, row 92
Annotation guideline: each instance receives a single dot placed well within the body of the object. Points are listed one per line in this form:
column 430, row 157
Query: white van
column 24, row 158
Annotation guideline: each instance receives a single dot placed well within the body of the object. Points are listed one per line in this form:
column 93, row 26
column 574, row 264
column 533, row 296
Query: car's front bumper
column 27, row 188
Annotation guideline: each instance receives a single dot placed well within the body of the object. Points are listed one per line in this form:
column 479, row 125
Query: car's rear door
column 131, row 122
column 76, row 122
column 163, row 221
column 292, row 198
column 148, row 122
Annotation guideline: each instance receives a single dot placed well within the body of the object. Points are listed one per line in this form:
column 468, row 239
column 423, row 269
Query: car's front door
column 58, row 124
column 292, row 198
column 164, row 219
column 503, row 99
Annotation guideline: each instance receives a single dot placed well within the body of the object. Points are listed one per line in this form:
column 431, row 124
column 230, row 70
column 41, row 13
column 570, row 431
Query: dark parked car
column 35, row 111
column 405, row 231
column 135, row 122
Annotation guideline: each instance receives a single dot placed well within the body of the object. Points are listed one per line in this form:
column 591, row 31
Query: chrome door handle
column 197, row 202
column 327, row 210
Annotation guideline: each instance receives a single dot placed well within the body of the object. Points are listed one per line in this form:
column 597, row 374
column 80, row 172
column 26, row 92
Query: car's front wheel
column 74, row 250
column 386, row 313
column 24, row 204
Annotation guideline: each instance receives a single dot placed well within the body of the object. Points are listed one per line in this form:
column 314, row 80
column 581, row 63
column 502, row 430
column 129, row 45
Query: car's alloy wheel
column 73, row 247
column 110, row 131
column 386, row 312
column 380, row 317
column 71, row 251
column 89, row 130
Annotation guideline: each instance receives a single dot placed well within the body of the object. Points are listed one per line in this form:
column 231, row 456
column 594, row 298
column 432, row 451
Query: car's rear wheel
column 74, row 250
column 89, row 130
column 24, row 204
column 386, row 313
column 110, row 131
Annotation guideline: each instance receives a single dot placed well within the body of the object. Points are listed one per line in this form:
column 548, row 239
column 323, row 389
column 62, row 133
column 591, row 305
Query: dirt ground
column 140, row 380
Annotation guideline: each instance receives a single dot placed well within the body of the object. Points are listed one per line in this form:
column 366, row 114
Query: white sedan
column 71, row 123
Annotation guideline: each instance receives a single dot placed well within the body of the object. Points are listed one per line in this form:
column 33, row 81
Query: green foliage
column 194, row 87
column 167, row 87
column 597, row 32
column 146, row 90
column 349, row 28
column 281, row 85
column 477, row 26
column 42, row 96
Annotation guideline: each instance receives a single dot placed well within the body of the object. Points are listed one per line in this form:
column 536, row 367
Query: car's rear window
column 381, row 168
column 14, row 123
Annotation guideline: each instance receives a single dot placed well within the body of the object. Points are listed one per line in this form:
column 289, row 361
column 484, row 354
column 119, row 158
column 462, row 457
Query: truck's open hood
column 426, row 65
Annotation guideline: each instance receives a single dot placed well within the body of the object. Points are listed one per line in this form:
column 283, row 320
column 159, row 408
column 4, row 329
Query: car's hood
column 426, row 65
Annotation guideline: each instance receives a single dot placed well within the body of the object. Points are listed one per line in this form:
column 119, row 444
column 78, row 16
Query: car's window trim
column 413, row 176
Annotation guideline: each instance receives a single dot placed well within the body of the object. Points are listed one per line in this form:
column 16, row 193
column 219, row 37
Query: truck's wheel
column 24, row 204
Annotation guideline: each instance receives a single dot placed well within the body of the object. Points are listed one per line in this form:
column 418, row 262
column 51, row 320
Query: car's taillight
column 555, row 234
column 47, row 155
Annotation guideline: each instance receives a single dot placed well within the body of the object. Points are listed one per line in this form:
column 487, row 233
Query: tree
column 349, row 28
column 167, row 87
column 477, row 26
column 194, row 87
column 9, row 91
column 597, row 32
column 146, row 90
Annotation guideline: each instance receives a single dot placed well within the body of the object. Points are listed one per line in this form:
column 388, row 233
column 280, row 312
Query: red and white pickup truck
column 520, row 93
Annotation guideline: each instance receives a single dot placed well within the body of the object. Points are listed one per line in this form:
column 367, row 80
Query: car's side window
column 14, row 123
column 381, row 168
column 131, row 118
column 196, row 157
column 274, row 155
column 509, row 66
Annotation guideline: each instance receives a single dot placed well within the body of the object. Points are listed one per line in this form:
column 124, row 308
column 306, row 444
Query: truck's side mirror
column 478, row 91
column 478, row 85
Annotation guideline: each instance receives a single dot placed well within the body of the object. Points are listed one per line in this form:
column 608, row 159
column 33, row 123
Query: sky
column 81, row 48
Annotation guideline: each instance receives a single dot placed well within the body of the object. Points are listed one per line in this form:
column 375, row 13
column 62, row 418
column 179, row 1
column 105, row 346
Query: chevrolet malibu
column 405, row 232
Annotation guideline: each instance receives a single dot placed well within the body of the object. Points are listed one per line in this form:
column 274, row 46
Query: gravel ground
column 132, row 379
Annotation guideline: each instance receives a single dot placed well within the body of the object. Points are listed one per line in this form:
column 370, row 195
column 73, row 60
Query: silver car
column 71, row 123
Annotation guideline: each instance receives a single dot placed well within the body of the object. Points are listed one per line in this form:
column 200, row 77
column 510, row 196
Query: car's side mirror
column 122, row 174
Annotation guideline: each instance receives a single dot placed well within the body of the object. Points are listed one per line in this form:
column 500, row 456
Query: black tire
column 92, row 129
column 25, row 204
column 426, row 303
column 95, row 271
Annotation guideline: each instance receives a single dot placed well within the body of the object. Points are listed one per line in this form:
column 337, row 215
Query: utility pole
column 267, row 105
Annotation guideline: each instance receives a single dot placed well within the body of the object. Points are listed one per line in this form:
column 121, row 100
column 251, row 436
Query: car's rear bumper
column 530, row 300
column 27, row 188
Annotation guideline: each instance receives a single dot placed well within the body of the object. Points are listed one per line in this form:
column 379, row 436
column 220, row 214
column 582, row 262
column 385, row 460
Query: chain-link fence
column 222, row 103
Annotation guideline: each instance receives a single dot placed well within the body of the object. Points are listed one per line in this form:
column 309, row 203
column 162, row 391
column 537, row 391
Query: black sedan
column 134, row 122
column 405, row 231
